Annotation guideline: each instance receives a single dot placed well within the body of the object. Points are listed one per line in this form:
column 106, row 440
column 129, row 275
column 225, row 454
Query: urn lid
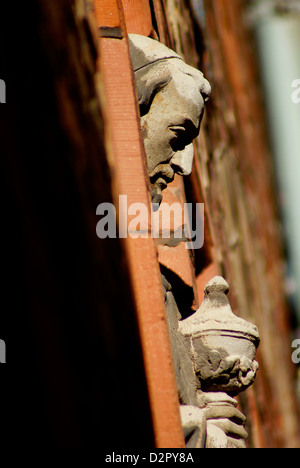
column 215, row 316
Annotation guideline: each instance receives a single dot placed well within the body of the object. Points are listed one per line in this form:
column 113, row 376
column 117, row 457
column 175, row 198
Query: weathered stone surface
column 171, row 98
column 222, row 348
column 222, row 345
column 212, row 349
column 194, row 425
column 187, row 382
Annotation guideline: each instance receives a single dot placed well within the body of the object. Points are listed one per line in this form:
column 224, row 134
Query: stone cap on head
column 145, row 51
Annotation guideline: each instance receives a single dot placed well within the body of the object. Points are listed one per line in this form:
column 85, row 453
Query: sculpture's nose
column 182, row 161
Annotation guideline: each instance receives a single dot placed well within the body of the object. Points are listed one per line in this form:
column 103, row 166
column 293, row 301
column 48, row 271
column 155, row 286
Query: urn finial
column 223, row 346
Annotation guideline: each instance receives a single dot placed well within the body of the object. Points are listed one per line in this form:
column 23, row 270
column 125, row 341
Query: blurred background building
column 276, row 26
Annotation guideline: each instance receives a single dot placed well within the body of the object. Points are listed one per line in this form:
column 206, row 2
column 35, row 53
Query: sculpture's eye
column 180, row 137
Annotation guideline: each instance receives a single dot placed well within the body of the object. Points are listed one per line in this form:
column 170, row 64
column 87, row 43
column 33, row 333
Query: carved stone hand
column 217, row 424
column 221, row 413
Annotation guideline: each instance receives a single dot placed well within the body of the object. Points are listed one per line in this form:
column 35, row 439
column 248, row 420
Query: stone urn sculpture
column 222, row 347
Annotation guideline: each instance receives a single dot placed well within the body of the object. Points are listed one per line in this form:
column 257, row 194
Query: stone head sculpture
column 171, row 98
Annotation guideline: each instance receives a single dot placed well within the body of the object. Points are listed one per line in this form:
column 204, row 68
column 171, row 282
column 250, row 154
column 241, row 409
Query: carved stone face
column 171, row 97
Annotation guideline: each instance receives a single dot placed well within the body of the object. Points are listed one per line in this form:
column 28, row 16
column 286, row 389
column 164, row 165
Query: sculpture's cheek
column 156, row 141
column 145, row 130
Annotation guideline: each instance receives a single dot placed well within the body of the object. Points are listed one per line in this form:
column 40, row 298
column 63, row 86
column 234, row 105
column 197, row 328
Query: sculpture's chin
column 156, row 196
